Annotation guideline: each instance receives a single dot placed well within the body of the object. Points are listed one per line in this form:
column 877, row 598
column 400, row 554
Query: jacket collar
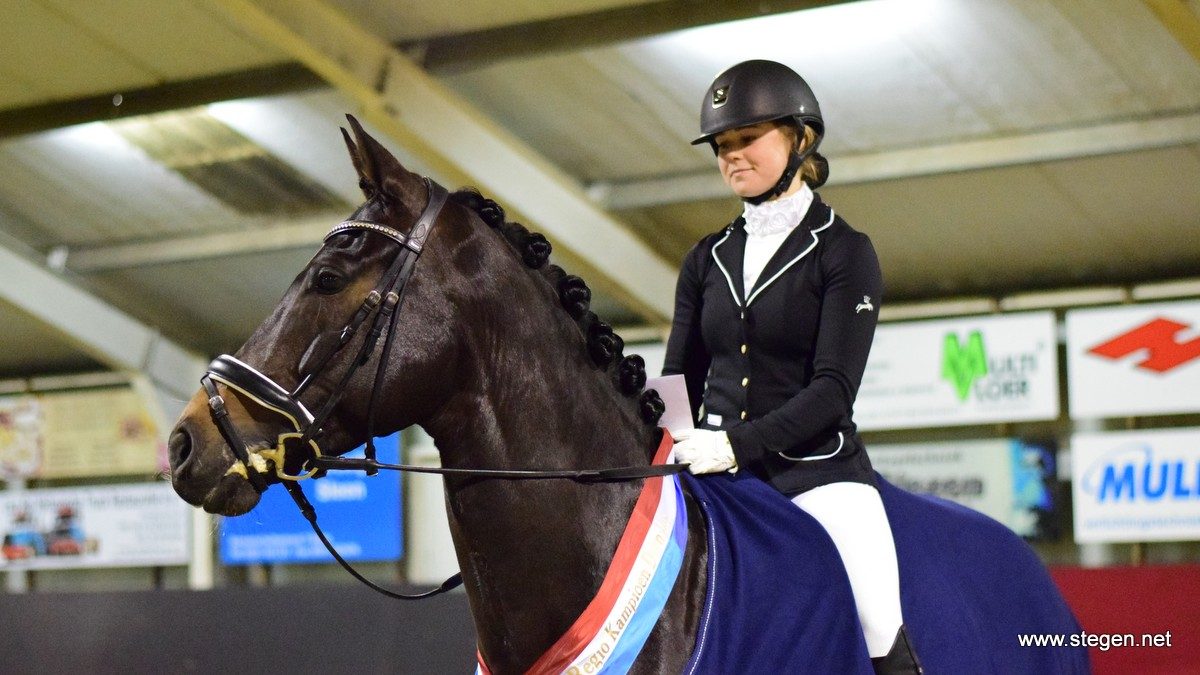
column 730, row 251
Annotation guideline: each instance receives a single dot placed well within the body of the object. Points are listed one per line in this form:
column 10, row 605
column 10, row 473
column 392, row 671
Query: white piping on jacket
column 841, row 444
column 733, row 291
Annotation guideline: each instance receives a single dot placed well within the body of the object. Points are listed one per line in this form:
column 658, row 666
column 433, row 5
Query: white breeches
column 853, row 515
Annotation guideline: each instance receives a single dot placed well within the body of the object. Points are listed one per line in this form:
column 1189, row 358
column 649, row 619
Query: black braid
column 574, row 295
column 491, row 213
column 651, row 405
column 536, row 251
column 603, row 344
column 631, row 374
column 605, row 347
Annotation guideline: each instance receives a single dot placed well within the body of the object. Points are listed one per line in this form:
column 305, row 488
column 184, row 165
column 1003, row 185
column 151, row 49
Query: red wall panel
column 1137, row 600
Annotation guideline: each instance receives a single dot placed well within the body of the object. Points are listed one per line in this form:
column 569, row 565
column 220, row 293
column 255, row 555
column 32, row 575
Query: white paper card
column 673, row 391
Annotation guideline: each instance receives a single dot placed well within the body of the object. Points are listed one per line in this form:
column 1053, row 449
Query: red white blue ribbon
column 611, row 632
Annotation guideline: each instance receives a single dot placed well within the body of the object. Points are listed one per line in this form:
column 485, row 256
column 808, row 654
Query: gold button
column 743, row 414
column 745, row 381
column 743, row 349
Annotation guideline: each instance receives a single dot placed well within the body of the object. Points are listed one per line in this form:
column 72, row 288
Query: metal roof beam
column 1031, row 148
column 452, row 53
column 99, row 329
column 279, row 79
column 461, row 144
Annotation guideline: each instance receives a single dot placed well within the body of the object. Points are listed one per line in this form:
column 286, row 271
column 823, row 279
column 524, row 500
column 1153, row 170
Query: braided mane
column 606, row 348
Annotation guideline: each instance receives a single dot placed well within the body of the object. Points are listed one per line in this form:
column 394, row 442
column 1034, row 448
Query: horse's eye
column 329, row 282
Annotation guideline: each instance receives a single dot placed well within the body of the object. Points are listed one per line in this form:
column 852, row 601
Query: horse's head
column 475, row 346
column 328, row 323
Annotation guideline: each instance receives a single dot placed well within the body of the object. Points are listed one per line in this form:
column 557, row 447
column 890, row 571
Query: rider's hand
column 706, row 451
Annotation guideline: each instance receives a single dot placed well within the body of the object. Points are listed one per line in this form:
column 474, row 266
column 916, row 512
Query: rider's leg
column 853, row 515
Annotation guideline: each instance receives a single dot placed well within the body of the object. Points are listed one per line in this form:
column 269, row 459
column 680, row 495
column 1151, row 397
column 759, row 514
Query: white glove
column 706, row 451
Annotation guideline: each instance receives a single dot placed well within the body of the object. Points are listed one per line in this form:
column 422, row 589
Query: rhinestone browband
column 386, row 231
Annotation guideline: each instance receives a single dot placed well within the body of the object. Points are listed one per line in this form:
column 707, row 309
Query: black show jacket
column 779, row 368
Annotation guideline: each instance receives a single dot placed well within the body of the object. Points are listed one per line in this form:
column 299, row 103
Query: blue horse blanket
column 778, row 598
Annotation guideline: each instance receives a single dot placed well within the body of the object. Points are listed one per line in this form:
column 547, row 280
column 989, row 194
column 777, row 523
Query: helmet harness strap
column 789, row 173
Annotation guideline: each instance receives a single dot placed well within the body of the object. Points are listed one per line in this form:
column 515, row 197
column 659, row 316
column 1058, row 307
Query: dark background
column 335, row 629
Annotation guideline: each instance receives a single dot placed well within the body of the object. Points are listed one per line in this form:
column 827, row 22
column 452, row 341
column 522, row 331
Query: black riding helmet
column 760, row 91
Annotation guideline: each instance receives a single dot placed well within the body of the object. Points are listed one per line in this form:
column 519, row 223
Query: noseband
column 383, row 303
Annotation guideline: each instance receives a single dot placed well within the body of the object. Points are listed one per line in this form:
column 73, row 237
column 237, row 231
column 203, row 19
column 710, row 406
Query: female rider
column 774, row 317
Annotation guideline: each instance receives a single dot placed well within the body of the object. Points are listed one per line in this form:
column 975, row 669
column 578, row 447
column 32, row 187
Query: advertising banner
column 79, row 434
column 138, row 525
column 1134, row 360
column 1004, row 478
column 20, row 436
column 360, row 515
column 1136, row 485
column 973, row 370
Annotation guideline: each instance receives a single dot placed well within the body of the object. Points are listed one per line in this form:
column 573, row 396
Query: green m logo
column 962, row 364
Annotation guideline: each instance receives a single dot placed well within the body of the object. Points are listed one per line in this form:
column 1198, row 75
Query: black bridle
column 383, row 304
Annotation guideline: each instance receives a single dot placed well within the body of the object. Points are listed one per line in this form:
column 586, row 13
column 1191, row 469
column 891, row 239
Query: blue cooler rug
column 779, row 601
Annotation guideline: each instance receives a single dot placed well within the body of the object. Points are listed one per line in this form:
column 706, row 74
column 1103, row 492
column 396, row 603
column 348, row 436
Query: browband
column 389, row 232
column 415, row 240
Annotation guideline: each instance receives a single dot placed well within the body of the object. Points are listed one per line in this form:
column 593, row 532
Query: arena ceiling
column 167, row 166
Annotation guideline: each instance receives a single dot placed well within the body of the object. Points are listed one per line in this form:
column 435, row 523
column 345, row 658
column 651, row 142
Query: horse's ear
column 358, row 161
column 378, row 166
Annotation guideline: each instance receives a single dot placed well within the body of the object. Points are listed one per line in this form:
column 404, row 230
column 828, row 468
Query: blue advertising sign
column 360, row 515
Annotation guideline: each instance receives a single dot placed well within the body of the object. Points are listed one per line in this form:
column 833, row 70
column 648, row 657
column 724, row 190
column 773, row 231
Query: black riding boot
column 900, row 658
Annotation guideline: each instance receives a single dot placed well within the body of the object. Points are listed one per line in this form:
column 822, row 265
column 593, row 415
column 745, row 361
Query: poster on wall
column 973, row 370
column 78, row 434
column 360, row 515
column 1134, row 360
column 1005, row 479
column 20, row 436
column 1136, row 485
column 106, row 432
column 136, row 525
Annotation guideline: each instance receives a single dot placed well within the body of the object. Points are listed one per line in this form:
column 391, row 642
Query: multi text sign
column 973, row 370
column 1136, row 485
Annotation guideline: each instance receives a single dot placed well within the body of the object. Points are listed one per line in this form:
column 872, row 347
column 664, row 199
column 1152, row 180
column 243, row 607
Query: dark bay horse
column 494, row 353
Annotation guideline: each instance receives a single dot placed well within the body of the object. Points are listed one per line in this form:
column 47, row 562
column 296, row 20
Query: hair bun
column 822, row 169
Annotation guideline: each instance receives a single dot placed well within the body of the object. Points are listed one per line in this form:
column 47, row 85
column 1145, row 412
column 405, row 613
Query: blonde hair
column 815, row 169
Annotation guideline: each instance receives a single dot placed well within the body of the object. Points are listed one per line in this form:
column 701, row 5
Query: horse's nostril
column 180, row 447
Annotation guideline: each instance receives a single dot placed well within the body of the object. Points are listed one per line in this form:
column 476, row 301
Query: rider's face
column 752, row 158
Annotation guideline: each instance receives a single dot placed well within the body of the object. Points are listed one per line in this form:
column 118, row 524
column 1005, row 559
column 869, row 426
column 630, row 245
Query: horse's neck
column 533, row 553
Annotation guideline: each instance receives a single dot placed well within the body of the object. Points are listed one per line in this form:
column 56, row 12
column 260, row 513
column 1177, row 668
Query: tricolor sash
column 610, row 633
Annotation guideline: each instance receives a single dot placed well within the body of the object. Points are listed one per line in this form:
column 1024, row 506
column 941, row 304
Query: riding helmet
column 757, row 91
column 760, row 91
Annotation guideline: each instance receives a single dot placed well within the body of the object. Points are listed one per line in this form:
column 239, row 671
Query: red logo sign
column 1158, row 338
